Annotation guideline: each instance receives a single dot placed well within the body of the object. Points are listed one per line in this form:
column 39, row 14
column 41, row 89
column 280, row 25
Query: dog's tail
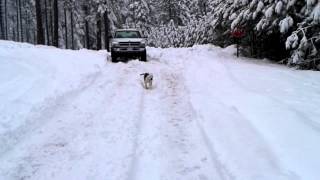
column 143, row 74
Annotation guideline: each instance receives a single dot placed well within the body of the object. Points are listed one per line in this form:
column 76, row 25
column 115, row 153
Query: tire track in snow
column 66, row 131
column 130, row 120
column 120, row 90
column 224, row 173
column 225, row 117
column 304, row 118
column 145, row 142
column 179, row 121
column 183, row 119
column 50, row 107
column 19, row 153
column 135, row 154
column 137, row 161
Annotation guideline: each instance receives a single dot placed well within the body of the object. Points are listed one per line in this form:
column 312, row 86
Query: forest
column 285, row 31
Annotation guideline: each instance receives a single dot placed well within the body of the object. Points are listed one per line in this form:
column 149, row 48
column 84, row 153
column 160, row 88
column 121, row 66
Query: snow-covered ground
column 73, row 115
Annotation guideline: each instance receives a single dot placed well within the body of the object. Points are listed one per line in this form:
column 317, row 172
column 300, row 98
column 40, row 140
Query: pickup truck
column 128, row 43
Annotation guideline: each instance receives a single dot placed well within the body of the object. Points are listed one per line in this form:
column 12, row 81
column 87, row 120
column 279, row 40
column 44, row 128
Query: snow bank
column 32, row 77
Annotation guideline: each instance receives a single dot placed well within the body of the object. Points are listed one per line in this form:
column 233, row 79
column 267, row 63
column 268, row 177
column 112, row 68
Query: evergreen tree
column 139, row 15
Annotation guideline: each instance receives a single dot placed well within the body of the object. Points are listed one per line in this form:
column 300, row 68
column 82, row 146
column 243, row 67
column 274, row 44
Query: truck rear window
column 127, row 34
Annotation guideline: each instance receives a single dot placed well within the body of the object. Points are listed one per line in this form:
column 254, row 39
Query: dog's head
column 147, row 76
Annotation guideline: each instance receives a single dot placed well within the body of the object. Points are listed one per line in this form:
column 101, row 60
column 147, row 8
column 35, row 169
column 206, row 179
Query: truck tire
column 114, row 58
column 144, row 56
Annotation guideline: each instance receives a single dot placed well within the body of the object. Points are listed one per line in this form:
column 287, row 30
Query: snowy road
column 208, row 117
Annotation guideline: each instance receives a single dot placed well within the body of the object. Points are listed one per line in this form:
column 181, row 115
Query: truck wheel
column 144, row 57
column 114, row 58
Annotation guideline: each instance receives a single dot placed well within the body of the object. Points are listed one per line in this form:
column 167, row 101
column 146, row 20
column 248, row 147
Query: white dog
column 147, row 78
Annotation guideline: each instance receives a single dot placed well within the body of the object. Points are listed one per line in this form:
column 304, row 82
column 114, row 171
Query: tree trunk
column 13, row 34
column 1, row 22
column 26, row 21
column 106, row 31
column 99, row 32
column 72, row 30
column 6, row 18
column 17, row 14
column 46, row 21
column 51, row 22
column 56, row 23
column 66, row 28
column 27, row 27
column 87, row 35
column 85, row 8
column 40, row 34
column 34, row 38
column 21, row 26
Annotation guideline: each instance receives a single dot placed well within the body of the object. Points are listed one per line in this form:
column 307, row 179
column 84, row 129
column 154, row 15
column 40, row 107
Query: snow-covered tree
column 272, row 21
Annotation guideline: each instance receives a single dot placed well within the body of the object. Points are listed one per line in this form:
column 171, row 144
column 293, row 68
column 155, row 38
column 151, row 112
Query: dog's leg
column 148, row 85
